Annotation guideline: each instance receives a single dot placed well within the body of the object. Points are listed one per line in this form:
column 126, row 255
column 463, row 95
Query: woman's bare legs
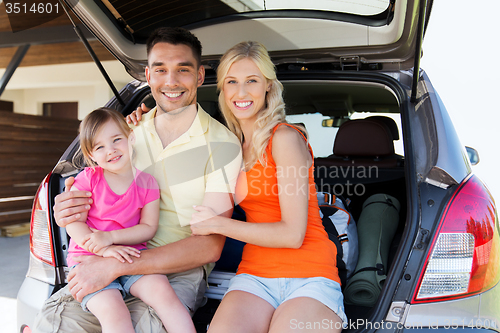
column 156, row 291
column 108, row 306
column 304, row 314
column 241, row 312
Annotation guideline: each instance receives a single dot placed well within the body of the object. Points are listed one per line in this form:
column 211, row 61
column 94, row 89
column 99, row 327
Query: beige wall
column 30, row 87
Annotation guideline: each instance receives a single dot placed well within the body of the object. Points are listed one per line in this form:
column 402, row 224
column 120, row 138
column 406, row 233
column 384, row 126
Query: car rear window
column 322, row 138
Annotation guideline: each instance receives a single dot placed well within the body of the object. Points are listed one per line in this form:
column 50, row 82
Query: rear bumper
column 30, row 299
column 476, row 312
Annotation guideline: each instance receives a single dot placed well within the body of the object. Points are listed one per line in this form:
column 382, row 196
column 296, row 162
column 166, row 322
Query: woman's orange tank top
column 317, row 255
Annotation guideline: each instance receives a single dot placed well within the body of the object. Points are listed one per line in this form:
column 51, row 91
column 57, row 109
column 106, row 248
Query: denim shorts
column 278, row 290
column 123, row 284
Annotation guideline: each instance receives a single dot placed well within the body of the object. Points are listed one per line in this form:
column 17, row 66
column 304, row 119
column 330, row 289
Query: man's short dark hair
column 175, row 36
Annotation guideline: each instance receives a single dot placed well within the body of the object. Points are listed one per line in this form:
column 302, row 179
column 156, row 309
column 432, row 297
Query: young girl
column 288, row 272
column 123, row 217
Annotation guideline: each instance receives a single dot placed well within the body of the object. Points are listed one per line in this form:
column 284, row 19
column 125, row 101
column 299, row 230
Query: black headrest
column 390, row 123
column 363, row 137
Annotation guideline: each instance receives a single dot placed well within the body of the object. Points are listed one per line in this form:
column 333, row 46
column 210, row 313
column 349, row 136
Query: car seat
column 363, row 142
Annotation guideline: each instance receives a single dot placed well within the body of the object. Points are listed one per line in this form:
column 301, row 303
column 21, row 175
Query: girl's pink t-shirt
column 111, row 211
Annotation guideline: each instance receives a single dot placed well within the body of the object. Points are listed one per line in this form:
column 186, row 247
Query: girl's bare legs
column 108, row 306
column 155, row 291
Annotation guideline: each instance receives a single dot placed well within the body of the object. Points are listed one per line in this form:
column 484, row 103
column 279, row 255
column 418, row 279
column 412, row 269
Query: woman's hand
column 121, row 253
column 97, row 241
column 203, row 221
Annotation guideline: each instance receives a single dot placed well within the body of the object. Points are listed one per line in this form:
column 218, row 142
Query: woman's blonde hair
column 274, row 110
column 90, row 127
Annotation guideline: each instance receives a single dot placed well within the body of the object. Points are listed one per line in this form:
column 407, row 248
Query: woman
column 287, row 279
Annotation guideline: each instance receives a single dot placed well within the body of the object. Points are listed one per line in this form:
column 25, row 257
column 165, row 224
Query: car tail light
column 40, row 234
column 464, row 256
column 26, row 329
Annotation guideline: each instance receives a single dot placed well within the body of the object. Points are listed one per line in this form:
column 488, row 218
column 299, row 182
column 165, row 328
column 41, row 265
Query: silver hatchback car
column 351, row 75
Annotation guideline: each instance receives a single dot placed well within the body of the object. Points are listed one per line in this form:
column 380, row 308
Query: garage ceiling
column 54, row 42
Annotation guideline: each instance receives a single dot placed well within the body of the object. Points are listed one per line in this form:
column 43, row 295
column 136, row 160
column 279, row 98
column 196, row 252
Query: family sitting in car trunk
column 199, row 169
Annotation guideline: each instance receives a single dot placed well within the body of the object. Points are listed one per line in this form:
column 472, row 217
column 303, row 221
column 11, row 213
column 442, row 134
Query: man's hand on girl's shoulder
column 136, row 116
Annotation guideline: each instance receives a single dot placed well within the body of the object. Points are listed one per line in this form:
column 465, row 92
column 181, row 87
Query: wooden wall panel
column 59, row 21
column 16, row 205
column 51, row 54
column 30, row 147
column 54, row 54
column 26, row 120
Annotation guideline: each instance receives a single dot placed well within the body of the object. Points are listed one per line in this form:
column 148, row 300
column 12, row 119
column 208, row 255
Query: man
column 195, row 160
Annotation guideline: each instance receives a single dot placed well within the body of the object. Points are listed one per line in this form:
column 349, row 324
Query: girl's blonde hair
column 274, row 110
column 90, row 126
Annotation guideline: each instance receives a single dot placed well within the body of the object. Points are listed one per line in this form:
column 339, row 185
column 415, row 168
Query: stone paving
column 14, row 256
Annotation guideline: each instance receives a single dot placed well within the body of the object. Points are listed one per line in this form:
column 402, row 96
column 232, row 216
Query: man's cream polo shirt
column 206, row 158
